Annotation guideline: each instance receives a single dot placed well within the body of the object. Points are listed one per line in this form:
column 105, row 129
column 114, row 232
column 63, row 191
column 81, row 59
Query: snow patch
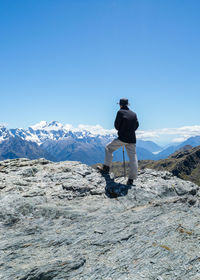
column 39, row 125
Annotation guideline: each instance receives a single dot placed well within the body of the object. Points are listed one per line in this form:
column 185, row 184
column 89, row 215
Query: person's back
column 126, row 123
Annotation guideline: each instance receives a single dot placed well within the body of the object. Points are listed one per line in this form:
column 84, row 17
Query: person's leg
column 133, row 163
column 110, row 148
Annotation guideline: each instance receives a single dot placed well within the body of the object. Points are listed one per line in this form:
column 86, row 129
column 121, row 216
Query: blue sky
column 72, row 60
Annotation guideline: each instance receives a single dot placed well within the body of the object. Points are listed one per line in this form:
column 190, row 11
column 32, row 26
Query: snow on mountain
column 39, row 126
column 64, row 142
column 4, row 133
column 56, row 131
column 85, row 129
column 43, row 125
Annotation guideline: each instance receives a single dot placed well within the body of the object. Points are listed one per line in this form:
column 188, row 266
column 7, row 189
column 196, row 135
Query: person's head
column 123, row 102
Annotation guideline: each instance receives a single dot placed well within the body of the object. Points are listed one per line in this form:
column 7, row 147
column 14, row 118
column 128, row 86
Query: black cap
column 123, row 102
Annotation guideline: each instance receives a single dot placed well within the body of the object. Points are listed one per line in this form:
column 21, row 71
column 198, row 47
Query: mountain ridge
column 185, row 164
column 85, row 143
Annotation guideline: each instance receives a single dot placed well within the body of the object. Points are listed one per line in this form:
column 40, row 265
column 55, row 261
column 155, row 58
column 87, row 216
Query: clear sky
column 71, row 61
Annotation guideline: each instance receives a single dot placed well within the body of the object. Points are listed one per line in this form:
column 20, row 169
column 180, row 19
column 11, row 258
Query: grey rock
column 66, row 221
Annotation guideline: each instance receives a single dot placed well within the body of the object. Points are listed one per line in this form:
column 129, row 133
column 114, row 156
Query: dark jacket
column 126, row 123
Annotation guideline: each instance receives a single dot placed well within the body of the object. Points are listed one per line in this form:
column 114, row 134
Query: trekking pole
column 124, row 162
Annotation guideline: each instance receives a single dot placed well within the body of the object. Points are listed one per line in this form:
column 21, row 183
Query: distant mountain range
column 58, row 142
column 184, row 163
column 192, row 141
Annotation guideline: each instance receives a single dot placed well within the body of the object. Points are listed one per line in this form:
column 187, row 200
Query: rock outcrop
column 66, row 221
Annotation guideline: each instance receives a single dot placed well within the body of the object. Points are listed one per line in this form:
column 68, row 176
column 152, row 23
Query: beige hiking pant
column 131, row 151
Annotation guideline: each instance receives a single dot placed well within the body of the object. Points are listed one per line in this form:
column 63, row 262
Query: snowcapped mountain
column 16, row 147
column 43, row 131
column 55, row 131
column 59, row 142
column 4, row 133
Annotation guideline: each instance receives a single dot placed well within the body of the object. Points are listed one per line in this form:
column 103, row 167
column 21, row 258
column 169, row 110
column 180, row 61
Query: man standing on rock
column 126, row 123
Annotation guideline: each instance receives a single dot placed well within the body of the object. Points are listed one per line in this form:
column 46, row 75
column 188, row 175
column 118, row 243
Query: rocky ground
column 65, row 221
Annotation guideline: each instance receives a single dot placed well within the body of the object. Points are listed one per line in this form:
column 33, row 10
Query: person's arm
column 118, row 120
column 136, row 123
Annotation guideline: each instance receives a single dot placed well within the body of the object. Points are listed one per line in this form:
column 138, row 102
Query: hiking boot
column 129, row 182
column 103, row 169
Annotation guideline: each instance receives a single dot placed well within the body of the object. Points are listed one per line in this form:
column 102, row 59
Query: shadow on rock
column 113, row 189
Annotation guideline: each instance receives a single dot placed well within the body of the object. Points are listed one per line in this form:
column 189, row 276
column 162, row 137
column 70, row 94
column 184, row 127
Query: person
column 126, row 123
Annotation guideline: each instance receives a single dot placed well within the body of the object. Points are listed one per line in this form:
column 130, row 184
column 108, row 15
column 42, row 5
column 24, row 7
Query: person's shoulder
column 132, row 112
column 120, row 111
column 119, row 114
